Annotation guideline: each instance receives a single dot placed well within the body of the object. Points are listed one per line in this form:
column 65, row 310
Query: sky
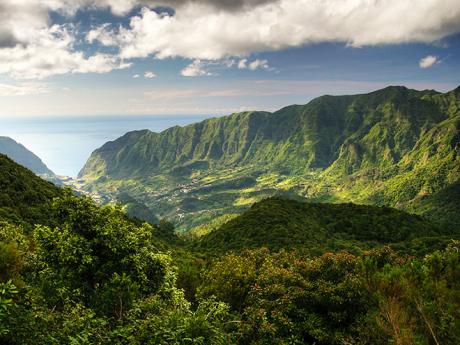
column 135, row 57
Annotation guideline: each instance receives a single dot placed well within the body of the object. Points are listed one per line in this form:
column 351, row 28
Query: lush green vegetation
column 97, row 278
column 84, row 274
column 24, row 198
column 393, row 147
column 205, row 229
column 278, row 223
column 376, row 298
column 441, row 207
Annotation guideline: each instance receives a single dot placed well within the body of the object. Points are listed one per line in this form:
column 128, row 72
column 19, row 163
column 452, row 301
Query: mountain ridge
column 366, row 148
column 21, row 155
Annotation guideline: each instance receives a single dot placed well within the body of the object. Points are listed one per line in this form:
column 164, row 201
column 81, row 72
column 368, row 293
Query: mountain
column 278, row 223
column 390, row 147
column 23, row 156
column 24, row 197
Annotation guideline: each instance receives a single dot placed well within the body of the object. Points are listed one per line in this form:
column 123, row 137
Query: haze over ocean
column 65, row 143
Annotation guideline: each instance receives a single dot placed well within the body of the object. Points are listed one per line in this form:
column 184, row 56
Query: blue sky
column 112, row 57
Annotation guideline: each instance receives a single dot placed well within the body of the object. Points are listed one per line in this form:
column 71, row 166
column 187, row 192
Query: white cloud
column 205, row 30
column 428, row 61
column 136, row 76
column 149, row 75
column 23, row 89
column 256, row 64
column 52, row 54
column 196, row 69
column 243, row 63
column 102, row 34
column 253, row 65
column 31, row 48
column 198, row 30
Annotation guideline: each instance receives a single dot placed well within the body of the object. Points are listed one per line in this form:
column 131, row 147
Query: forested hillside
column 72, row 272
column 393, row 147
column 278, row 223
column 24, row 197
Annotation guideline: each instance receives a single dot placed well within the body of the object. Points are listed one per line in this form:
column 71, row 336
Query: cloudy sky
column 117, row 57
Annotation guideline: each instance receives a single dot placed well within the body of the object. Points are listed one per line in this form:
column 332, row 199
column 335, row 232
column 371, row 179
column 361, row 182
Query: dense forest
column 72, row 272
column 315, row 228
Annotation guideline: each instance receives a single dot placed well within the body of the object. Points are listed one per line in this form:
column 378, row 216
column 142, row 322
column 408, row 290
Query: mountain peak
column 395, row 88
column 392, row 90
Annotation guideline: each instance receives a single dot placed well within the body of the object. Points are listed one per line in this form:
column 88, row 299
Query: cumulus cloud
column 198, row 31
column 428, row 61
column 196, row 69
column 205, row 30
column 51, row 53
column 32, row 48
column 253, row 65
column 136, row 76
column 256, row 64
column 149, row 75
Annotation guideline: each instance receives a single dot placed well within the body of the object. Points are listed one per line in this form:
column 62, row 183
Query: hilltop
column 278, row 223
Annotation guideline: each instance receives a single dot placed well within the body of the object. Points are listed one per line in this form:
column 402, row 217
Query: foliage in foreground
column 99, row 278
column 379, row 298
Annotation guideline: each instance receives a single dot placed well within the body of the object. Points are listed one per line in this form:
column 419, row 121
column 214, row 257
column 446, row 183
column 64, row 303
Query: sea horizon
column 65, row 143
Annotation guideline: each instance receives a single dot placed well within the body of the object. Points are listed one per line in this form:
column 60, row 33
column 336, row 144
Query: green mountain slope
column 23, row 156
column 279, row 223
column 441, row 206
column 388, row 147
column 24, row 197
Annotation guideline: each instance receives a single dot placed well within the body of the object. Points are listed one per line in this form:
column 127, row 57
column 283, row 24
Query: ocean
column 65, row 143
